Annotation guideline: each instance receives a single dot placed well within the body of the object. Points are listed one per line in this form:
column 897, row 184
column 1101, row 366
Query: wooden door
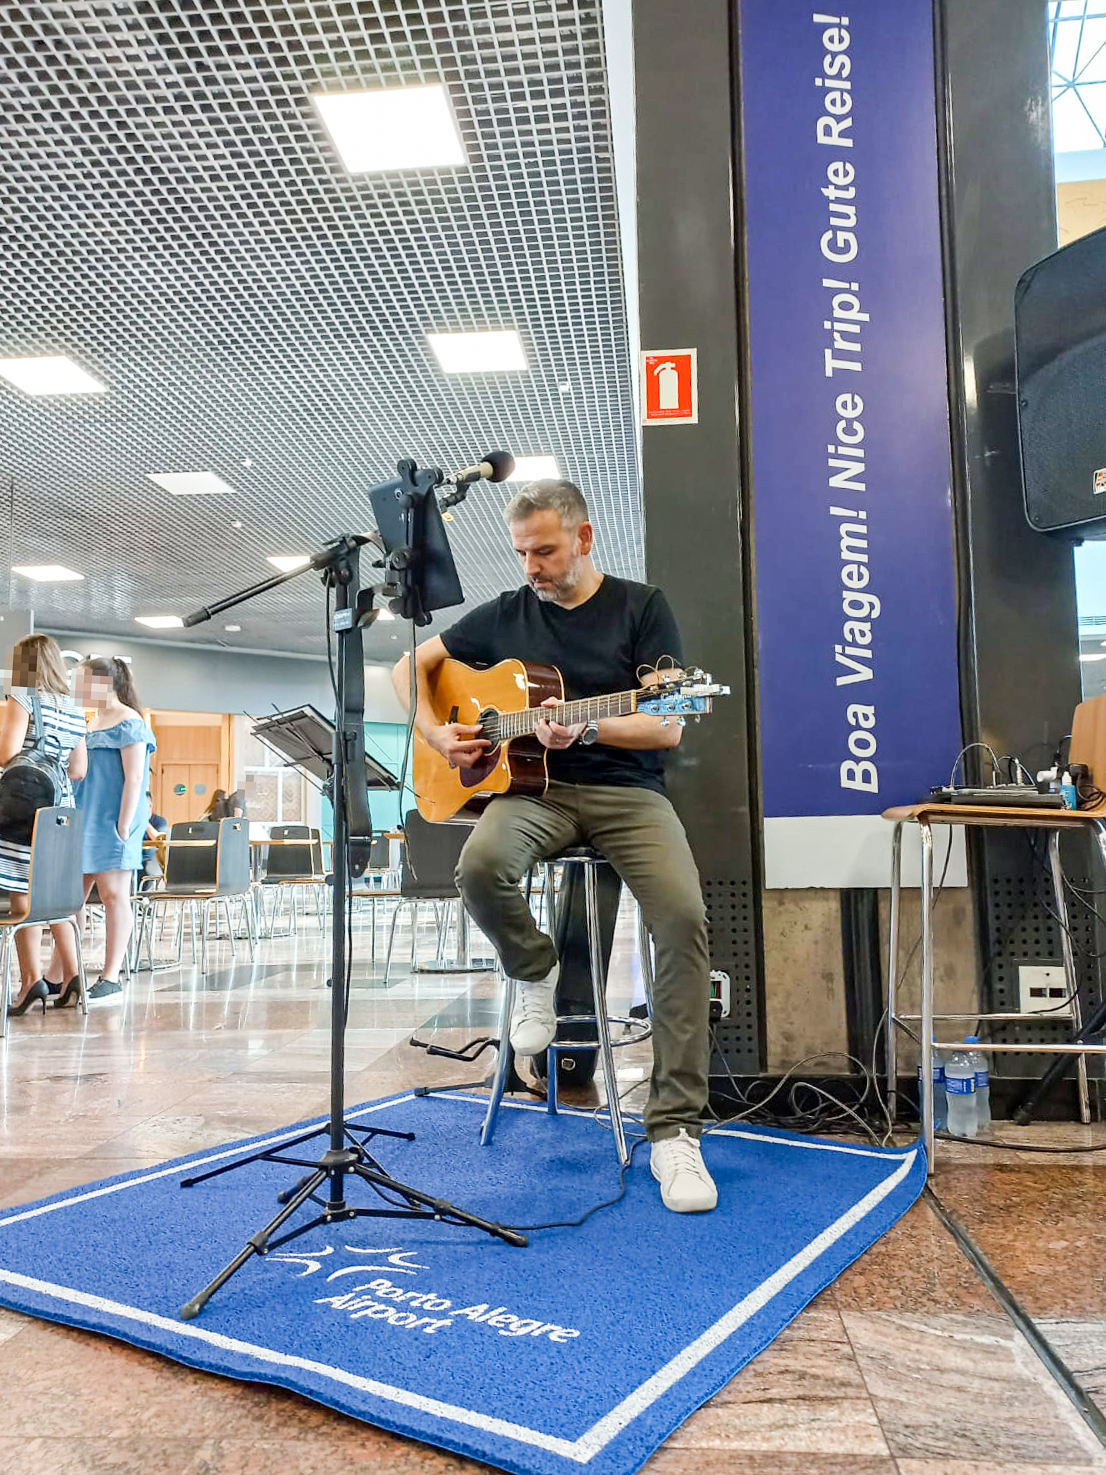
column 193, row 754
column 198, row 780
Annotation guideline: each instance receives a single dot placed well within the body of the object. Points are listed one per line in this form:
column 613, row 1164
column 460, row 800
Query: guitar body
column 459, row 693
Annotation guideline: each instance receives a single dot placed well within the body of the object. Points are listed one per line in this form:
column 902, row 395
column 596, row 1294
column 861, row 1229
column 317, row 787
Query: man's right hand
column 458, row 743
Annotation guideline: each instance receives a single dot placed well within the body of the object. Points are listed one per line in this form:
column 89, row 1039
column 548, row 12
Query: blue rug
column 585, row 1350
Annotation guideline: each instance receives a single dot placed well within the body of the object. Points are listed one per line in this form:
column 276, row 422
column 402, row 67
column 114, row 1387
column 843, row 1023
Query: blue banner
column 851, row 476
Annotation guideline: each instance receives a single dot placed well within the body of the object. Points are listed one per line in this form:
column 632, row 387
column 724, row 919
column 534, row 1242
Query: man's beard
column 555, row 591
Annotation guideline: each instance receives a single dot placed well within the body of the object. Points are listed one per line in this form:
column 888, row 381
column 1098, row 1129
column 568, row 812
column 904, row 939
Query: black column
column 694, row 517
column 1019, row 671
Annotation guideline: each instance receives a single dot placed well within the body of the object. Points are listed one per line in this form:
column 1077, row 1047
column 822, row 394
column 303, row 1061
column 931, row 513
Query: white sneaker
column 677, row 1164
column 533, row 1020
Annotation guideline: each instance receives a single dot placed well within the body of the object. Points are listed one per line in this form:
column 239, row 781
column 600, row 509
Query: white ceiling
column 178, row 222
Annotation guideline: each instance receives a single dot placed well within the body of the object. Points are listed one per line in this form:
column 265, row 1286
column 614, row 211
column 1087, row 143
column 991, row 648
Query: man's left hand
column 552, row 734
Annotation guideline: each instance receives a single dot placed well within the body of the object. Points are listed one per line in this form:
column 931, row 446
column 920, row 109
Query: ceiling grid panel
column 178, row 221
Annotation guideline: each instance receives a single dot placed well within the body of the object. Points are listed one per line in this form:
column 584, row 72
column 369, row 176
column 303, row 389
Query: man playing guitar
column 606, row 789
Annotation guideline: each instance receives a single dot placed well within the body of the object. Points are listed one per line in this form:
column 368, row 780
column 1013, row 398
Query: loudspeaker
column 1060, row 348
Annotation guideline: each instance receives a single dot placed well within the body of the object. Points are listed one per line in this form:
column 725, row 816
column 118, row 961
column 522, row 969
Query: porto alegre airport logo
column 367, row 1290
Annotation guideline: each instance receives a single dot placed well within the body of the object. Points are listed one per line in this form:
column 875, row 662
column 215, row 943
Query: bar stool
column 636, row 1030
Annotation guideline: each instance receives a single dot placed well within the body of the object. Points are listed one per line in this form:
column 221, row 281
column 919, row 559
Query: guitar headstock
column 687, row 693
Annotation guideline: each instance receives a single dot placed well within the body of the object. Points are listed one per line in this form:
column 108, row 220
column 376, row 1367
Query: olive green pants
column 638, row 831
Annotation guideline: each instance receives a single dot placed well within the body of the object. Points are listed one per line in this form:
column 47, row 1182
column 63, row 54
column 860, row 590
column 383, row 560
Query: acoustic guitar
column 505, row 701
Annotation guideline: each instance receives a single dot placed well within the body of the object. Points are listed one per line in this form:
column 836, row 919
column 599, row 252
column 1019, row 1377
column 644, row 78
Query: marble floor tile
column 675, row 1459
column 965, row 1387
column 986, row 1467
column 1081, row 1345
column 810, row 1359
column 916, row 1266
column 1041, row 1226
column 847, row 1426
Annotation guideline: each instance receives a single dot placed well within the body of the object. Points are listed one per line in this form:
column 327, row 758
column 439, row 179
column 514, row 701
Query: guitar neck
column 567, row 714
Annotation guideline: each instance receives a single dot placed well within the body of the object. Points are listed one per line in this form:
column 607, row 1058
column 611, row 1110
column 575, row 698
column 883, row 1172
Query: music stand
column 304, row 738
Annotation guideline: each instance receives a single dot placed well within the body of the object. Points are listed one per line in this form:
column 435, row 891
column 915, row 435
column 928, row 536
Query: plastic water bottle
column 939, row 1109
column 982, row 1085
column 960, row 1090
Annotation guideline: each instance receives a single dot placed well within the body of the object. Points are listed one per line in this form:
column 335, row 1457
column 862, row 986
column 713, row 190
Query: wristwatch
column 590, row 734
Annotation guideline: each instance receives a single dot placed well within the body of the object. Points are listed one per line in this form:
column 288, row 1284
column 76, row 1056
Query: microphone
column 496, row 466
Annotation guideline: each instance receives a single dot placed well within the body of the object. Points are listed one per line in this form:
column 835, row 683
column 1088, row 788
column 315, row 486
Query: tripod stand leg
column 439, row 1208
column 256, row 1245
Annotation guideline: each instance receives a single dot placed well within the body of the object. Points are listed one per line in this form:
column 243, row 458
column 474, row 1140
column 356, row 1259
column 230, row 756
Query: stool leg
column 927, row 992
column 602, row 1029
column 1067, row 952
column 552, row 1060
column 892, row 1037
column 645, row 953
column 550, row 897
column 504, row 1057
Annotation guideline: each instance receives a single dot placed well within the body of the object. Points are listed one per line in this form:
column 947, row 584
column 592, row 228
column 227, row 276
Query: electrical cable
column 1016, row 1146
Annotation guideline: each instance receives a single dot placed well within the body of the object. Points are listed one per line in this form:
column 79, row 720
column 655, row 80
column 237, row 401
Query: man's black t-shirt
column 599, row 647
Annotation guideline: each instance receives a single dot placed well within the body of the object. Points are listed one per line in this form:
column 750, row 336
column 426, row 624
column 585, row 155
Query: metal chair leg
column 1071, row 978
column 504, row 1061
column 391, row 940
column 892, row 1035
column 599, row 992
column 5, row 979
column 251, row 926
column 82, row 1001
column 927, row 992
column 205, row 923
column 230, row 926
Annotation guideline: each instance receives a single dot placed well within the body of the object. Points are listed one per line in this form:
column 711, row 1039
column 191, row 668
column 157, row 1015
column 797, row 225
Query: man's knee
column 681, row 922
column 479, row 867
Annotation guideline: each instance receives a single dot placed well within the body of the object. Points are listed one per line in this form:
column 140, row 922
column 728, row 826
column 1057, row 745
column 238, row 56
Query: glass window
column 275, row 793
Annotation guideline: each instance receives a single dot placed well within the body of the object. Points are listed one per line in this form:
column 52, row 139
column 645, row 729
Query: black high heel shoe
column 36, row 992
column 70, row 995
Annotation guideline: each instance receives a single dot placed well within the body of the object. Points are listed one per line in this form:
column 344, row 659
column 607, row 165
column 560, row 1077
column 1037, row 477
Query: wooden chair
column 1088, row 746
column 290, row 866
column 208, row 867
column 428, row 871
column 55, row 893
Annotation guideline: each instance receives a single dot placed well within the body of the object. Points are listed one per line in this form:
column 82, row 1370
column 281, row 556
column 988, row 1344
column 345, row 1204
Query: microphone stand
column 347, row 1154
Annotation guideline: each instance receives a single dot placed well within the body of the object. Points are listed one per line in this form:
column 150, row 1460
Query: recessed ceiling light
column 392, row 128
column 478, row 353
column 1097, row 656
column 49, row 374
column 565, row 388
column 189, row 483
column 289, row 562
column 46, row 573
column 385, row 614
column 161, row 622
column 232, row 629
column 535, row 468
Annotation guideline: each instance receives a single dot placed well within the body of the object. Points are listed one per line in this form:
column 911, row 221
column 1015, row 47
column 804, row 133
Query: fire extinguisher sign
column 669, row 387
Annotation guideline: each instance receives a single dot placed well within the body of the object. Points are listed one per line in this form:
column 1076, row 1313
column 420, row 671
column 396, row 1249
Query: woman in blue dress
column 113, row 800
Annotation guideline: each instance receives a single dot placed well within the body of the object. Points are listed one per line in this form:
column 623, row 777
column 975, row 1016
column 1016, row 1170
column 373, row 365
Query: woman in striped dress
column 37, row 670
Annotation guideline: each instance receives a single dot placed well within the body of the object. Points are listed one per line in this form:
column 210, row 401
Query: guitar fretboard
column 589, row 709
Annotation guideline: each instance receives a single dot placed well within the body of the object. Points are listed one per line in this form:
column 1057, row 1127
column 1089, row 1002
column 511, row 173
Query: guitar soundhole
column 489, row 723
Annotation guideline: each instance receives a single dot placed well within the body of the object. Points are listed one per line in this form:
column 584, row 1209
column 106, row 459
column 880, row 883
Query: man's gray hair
column 562, row 497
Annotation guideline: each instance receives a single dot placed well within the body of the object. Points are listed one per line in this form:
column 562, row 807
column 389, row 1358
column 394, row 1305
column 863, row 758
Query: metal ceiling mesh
column 177, row 220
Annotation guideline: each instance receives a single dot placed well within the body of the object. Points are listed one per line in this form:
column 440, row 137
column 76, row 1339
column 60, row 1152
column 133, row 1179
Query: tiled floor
column 905, row 1366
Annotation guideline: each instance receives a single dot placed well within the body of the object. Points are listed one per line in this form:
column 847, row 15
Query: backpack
column 35, row 779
